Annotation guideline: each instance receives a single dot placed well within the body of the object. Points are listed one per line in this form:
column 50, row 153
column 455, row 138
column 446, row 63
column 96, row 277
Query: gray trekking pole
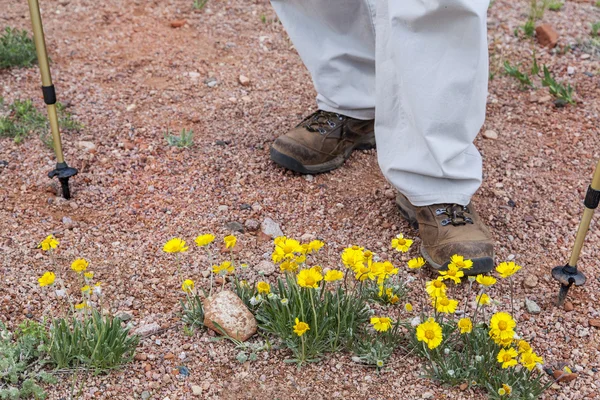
column 568, row 275
column 62, row 171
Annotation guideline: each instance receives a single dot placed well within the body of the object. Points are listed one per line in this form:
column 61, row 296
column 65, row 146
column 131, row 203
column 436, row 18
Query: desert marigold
column 86, row 289
column 501, row 328
column 314, row 246
column 81, row 306
column 485, row 280
column 408, row 307
column 400, row 243
column 49, row 243
column 188, row 286
column 389, row 269
column 507, row 269
column 436, row 288
column 391, row 297
column 334, row 275
column 444, row 305
column 459, row 262
column 483, row 299
column 465, row 325
column 175, row 245
column 204, row 240
column 381, row 324
column 230, row 241
column 430, row 332
column 300, row 327
column 523, row 346
column 79, row 265
column 263, row 287
column 416, row 263
column 88, row 275
column 507, row 388
column 507, row 357
column 223, row 268
column 288, row 266
column 47, row 279
column 285, row 249
column 309, row 278
column 353, row 258
column 529, row 360
column 452, row 273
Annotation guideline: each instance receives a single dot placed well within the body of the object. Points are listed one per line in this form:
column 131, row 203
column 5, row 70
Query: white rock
column 532, row 306
column 570, row 70
column 196, row 390
column 244, row 80
column 307, row 237
column 230, row 313
column 88, row 146
column 489, row 134
column 271, row 228
column 147, row 329
column 222, row 208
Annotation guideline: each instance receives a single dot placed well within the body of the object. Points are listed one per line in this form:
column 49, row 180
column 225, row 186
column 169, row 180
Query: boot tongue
column 322, row 122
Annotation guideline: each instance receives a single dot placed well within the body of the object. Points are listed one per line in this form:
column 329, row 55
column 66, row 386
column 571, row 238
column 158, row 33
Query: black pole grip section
column 592, row 198
column 49, row 94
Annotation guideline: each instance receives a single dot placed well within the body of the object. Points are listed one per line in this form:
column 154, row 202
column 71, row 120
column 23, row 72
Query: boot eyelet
column 440, row 211
column 445, row 222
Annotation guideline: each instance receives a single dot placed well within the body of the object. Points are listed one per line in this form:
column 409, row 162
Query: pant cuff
column 437, row 198
column 363, row 114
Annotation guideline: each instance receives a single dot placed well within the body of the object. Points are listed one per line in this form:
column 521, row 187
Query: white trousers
column 419, row 67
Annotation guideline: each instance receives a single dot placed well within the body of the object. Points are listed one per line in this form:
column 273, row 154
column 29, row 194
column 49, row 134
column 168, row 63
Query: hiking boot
column 448, row 229
column 322, row 142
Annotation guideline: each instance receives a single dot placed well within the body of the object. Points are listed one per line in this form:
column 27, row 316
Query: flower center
column 437, row 284
column 444, row 302
column 429, row 334
column 502, row 325
column 310, row 281
column 506, row 358
column 460, row 264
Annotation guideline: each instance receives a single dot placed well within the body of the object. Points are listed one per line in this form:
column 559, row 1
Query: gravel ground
column 128, row 76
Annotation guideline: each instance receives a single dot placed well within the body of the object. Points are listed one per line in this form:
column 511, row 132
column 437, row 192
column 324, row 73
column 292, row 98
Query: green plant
column 199, row 4
column 94, row 341
column 193, row 311
column 16, row 49
column 184, row 140
column 263, row 18
column 595, row 29
column 597, row 4
column 557, row 89
column 529, row 28
column 375, row 348
column 555, row 5
column 514, row 71
column 21, row 358
column 23, row 118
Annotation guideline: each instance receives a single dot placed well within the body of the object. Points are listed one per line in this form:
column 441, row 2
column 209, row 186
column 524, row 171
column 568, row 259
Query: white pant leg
column 336, row 41
column 432, row 74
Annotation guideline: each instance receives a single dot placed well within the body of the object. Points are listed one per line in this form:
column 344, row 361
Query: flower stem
column 312, row 302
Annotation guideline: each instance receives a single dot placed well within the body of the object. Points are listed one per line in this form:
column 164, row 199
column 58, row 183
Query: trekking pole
column 62, row 171
column 569, row 275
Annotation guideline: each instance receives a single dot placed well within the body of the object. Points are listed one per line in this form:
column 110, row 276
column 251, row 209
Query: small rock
column 87, row 146
column 244, row 80
column 229, row 311
column 167, row 378
column 546, row 35
column 67, row 221
column 145, row 395
column 265, row 267
column 570, row 70
column 464, row 386
column 140, row 357
column 545, row 99
column 169, row 356
column 307, row 237
column 308, row 178
column 222, row 208
column 147, row 329
column 533, row 97
column 178, row 23
column 235, row 226
column 427, row 395
column 252, row 225
column 532, row 306
column 584, row 56
column 530, row 281
column 489, row 134
column 211, row 82
column 595, row 323
column 193, row 75
column 271, row 228
column 124, row 316
column 390, row 194
column 196, row 390
column 569, row 306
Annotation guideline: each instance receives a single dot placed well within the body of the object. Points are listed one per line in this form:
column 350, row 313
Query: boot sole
column 481, row 265
column 292, row 164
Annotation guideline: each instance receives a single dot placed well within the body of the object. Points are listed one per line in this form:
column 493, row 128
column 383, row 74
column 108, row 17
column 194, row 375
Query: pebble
column 569, row 306
column 145, row 395
column 85, row 145
column 530, row 281
column 124, row 316
column 427, row 395
column 196, row 390
column 570, row 70
column 222, row 208
column 166, row 378
column 147, row 329
column 244, row 80
column 489, row 134
column 307, row 237
column 545, row 99
column 252, row 225
column 271, row 228
column 532, row 306
column 308, row 178
column 178, row 23
column 211, row 82
column 235, row 226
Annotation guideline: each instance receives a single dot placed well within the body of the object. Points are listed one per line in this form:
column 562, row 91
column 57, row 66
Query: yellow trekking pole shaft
column 62, row 170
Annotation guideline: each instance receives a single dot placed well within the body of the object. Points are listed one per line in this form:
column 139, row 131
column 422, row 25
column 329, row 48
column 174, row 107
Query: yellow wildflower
column 175, row 245
column 334, row 275
column 79, row 265
column 483, row 299
column 416, row 263
column 430, row 332
column 230, row 241
column 486, row 280
column 501, row 391
column 291, row 266
column 263, row 287
column 88, row 275
column 459, row 262
column 317, row 268
column 300, row 328
column 188, row 286
column 523, row 346
column 400, row 243
column 364, row 273
column 86, row 289
column 314, row 246
column 47, row 279
column 507, row 269
column 224, row 268
column 309, row 278
column 389, row 269
column 408, row 307
column 501, row 328
column 49, row 243
column 465, row 325
column 507, row 357
column 507, row 388
column 381, row 324
column 285, row 249
column 353, row 258
column 529, row 359
column 204, row 240
column 436, row 288
column 81, row 306
column 452, row 273
column 567, row 370
column 445, row 305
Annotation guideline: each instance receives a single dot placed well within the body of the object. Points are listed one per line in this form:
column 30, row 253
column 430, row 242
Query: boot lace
column 322, row 121
column 457, row 215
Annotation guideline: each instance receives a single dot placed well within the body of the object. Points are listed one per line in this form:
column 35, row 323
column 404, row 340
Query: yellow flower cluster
column 290, row 253
column 49, row 243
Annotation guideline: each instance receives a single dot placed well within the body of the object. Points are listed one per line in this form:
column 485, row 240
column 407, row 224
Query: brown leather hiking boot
column 448, row 229
column 322, row 142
